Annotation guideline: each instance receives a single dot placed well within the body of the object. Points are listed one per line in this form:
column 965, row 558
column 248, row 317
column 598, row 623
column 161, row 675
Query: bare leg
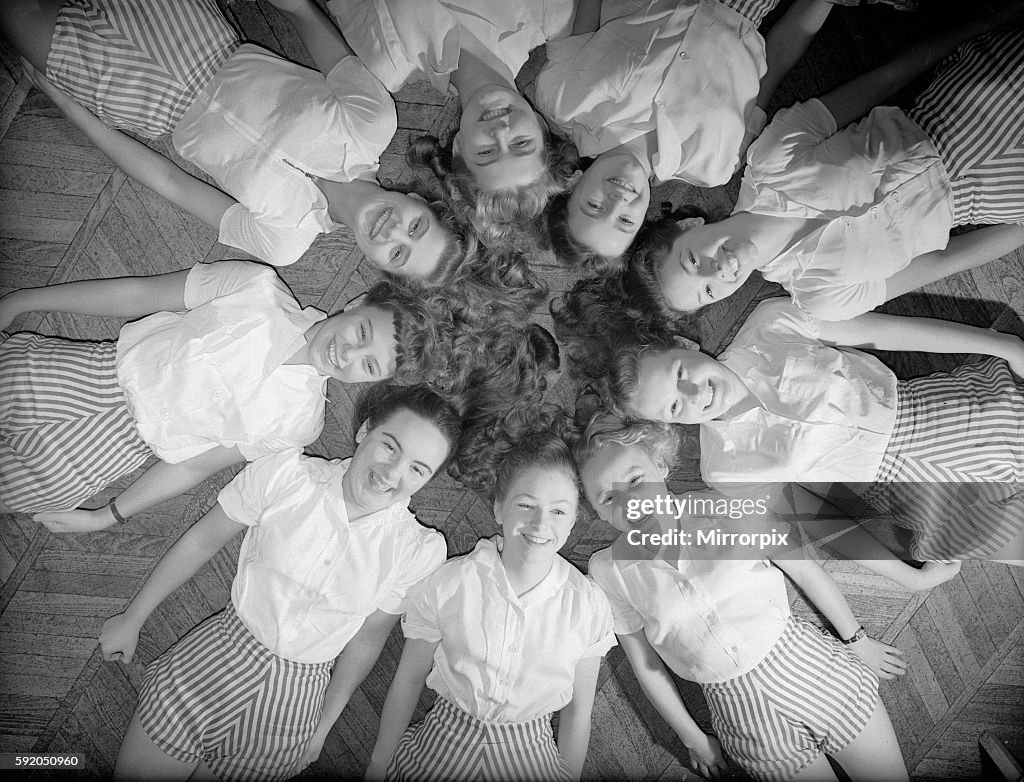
column 875, row 753
column 28, row 27
column 140, row 758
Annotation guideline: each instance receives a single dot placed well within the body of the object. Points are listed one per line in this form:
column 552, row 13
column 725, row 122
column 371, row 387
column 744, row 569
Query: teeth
column 711, row 395
column 623, row 184
column 377, row 484
column 332, row 354
column 378, row 224
column 495, row 114
column 535, row 540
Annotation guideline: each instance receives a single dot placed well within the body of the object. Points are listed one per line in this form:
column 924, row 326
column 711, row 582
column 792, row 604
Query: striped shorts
column 452, row 745
column 221, row 697
column 754, row 10
column 953, row 471
column 138, row 65
column 973, row 111
column 809, row 696
column 65, row 430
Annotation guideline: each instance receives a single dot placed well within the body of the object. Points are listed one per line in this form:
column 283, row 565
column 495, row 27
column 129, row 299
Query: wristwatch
column 861, row 633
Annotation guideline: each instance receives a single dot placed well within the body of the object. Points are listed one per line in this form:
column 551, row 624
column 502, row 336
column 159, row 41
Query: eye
column 636, row 479
column 414, row 229
column 593, row 205
column 520, row 142
column 370, row 367
column 558, row 512
column 362, row 333
column 708, row 292
column 694, row 262
column 420, row 472
column 395, row 255
column 674, row 409
column 524, row 505
column 486, row 152
column 390, row 448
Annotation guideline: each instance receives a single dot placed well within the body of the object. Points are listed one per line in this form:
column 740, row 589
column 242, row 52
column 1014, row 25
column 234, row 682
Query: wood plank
column 41, row 179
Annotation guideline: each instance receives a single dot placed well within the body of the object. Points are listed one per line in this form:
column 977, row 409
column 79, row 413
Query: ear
column 364, row 427
column 417, row 197
column 494, row 511
column 353, row 303
column 662, row 468
column 690, row 222
column 574, row 178
column 457, row 143
column 683, row 342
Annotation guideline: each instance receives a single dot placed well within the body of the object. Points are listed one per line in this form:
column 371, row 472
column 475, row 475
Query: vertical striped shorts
column 452, row 745
column 809, row 696
column 138, row 64
column 65, row 430
column 973, row 111
column 954, row 464
column 754, row 10
column 220, row 696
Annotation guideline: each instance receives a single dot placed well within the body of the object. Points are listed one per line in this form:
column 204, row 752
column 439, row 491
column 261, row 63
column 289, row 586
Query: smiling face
column 500, row 139
column 354, row 346
column 707, row 263
column 684, row 386
column 615, row 474
column 392, row 462
column 608, row 203
column 536, row 514
column 400, row 234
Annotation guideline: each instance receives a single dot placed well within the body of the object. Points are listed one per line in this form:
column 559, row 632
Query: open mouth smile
column 378, row 484
column 332, row 354
column 620, row 183
column 382, row 217
column 533, row 540
column 492, row 114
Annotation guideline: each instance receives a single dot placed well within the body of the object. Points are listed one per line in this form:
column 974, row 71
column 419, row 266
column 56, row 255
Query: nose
column 688, row 389
column 389, row 471
column 344, row 353
column 500, row 132
column 625, row 195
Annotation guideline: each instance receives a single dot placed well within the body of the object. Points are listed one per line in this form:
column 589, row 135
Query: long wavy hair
column 494, row 214
column 423, row 333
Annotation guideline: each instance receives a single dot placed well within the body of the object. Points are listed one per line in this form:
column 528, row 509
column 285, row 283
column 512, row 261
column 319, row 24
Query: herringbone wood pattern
column 67, row 214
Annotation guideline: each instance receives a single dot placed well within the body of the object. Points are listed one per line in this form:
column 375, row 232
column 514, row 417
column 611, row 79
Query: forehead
column 382, row 323
column 507, row 170
column 598, row 232
column 680, row 290
column 420, row 439
column 546, row 483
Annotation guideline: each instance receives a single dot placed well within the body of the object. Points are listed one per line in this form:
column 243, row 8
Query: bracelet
column 115, row 512
column 861, row 633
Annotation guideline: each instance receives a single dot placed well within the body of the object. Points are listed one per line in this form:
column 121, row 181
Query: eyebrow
column 398, row 445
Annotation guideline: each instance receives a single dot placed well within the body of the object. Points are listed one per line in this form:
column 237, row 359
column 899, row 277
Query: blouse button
column 327, row 562
column 683, row 55
column 874, row 211
column 512, row 648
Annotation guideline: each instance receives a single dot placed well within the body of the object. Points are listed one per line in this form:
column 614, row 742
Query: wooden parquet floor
column 66, row 213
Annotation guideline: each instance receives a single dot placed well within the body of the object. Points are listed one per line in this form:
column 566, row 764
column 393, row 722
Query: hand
column 77, row 520
column 311, row 752
column 118, row 638
column 887, row 661
column 706, row 756
column 934, row 573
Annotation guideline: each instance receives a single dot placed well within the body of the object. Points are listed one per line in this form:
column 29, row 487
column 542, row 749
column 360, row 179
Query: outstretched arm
column 160, row 482
column 400, row 703
column 140, row 162
column 574, row 718
column 324, row 42
column 120, row 633
column 964, row 251
column 351, row 667
column 787, row 41
column 117, row 297
column 705, row 751
column 855, row 98
column 928, row 335
column 821, row 590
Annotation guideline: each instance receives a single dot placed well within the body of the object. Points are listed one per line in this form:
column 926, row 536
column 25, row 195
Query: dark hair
column 423, row 334
column 652, row 245
column 598, row 317
column 571, row 252
column 494, row 214
column 500, row 393
column 422, row 401
column 462, row 248
column 544, row 450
